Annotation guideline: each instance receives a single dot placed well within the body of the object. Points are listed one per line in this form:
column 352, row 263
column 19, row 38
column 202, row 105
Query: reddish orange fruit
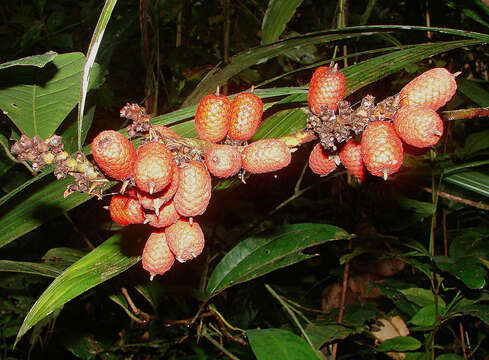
column 212, row 118
column 265, row 155
column 223, row 160
column 326, row 89
column 321, row 163
column 185, row 240
column 154, row 167
column 114, row 154
column 246, row 114
column 126, row 210
column 418, row 126
column 382, row 151
column 166, row 216
column 194, row 192
column 157, row 200
column 433, row 89
column 351, row 157
column 157, row 257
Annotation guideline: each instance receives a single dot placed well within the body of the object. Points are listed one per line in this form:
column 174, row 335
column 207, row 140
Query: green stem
column 219, row 346
column 291, row 313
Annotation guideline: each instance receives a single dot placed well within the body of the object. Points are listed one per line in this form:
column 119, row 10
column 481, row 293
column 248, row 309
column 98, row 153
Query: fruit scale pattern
column 166, row 182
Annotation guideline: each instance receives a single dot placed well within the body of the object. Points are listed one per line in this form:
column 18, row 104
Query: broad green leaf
column 35, row 60
column 281, row 124
column 421, row 297
column 42, row 202
column 272, row 344
column 471, row 180
column 474, row 92
column 400, row 343
column 467, row 269
column 426, row 316
column 480, row 311
column 278, row 14
column 70, row 135
column 29, row 268
column 322, row 334
column 97, row 36
column 261, row 254
column 38, row 100
column 474, row 143
column 112, row 257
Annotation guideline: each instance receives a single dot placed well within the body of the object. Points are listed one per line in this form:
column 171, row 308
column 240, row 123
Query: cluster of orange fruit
column 167, row 192
column 414, row 121
column 168, row 196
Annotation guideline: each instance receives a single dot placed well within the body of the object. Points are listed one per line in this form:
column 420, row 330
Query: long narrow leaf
column 111, row 258
column 90, row 61
column 254, row 56
column 35, row 60
column 29, row 268
column 471, row 180
column 278, row 14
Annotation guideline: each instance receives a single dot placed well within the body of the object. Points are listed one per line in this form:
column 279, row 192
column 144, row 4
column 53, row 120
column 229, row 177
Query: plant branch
column 478, row 205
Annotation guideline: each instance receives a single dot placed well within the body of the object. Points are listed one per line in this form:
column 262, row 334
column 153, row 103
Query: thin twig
column 291, row 313
column 293, row 303
column 462, row 338
column 478, row 205
column 186, row 322
column 220, row 347
column 343, row 296
column 464, row 113
column 223, row 323
column 133, row 307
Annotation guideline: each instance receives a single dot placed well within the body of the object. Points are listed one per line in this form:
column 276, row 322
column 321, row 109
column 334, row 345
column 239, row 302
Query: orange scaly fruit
column 351, row 157
column 223, row 160
column 320, row 163
column 157, row 200
column 212, row 118
column 418, row 126
column 166, row 216
column 382, row 151
column 433, row 89
column 114, row 154
column 157, row 257
column 194, row 192
column 265, row 155
column 126, row 210
column 246, row 114
column 154, row 167
column 326, row 89
column 185, row 240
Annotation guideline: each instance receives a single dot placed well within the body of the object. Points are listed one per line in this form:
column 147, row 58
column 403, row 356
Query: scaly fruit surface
column 114, row 154
column 382, row 151
column 157, row 257
column 186, row 241
column 351, row 157
column 223, row 160
column 167, row 215
column 212, row 118
column 418, row 126
column 154, row 167
column 126, row 210
column 246, row 114
column 326, row 89
column 321, row 163
column 194, row 192
column 433, row 89
column 157, row 200
column 265, row 155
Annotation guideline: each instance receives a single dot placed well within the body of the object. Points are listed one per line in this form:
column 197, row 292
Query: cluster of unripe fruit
column 410, row 116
